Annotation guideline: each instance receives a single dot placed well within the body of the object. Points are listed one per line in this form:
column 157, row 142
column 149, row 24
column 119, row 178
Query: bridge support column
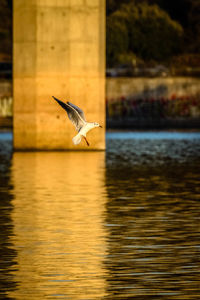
column 59, row 50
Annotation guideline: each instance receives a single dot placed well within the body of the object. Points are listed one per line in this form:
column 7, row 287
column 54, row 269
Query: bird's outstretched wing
column 75, row 114
column 78, row 109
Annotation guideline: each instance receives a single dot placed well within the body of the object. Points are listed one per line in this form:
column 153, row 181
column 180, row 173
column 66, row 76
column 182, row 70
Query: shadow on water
column 152, row 217
column 7, row 252
column 102, row 226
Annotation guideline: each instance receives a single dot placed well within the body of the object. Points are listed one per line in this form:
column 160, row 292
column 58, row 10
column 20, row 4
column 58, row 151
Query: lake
column 120, row 224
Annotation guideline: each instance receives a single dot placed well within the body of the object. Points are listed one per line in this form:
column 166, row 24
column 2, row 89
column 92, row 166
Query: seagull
column 77, row 117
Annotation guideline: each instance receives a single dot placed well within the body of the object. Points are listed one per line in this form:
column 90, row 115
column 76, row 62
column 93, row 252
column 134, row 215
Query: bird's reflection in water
column 58, row 210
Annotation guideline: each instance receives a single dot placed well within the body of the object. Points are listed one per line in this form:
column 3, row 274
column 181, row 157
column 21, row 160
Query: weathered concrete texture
column 144, row 88
column 59, row 49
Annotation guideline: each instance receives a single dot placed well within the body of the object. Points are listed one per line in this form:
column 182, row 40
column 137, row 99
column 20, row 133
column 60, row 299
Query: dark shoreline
column 134, row 124
column 153, row 124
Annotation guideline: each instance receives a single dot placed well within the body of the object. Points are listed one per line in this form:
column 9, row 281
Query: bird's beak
column 100, row 126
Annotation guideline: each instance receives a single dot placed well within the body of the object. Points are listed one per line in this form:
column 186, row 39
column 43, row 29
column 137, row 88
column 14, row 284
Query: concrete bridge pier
column 59, row 49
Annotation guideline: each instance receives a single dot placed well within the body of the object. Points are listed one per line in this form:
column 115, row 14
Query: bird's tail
column 77, row 139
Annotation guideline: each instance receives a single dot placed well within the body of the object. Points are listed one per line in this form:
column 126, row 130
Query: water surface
column 92, row 225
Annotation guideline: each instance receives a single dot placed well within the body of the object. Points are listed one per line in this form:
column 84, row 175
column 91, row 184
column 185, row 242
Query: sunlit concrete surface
column 59, row 49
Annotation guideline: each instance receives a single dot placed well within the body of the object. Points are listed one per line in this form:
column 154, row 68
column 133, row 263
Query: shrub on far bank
column 147, row 32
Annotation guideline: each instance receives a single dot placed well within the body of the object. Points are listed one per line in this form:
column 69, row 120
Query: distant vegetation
column 139, row 32
column 5, row 30
column 153, row 31
column 142, row 31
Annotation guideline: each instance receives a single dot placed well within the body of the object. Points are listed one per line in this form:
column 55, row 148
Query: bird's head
column 97, row 125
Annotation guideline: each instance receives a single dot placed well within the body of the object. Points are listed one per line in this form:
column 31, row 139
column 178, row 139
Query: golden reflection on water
column 58, row 211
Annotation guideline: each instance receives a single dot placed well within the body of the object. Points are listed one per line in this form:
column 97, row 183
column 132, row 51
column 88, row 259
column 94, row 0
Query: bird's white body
column 84, row 130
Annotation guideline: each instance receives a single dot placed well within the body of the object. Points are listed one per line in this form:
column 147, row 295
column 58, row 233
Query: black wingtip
column 56, row 99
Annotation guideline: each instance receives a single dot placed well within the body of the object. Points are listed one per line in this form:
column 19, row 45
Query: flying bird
column 77, row 117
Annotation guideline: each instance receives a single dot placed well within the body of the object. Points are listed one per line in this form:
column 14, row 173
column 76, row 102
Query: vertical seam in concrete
column 102, row 45
column 35, row 78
